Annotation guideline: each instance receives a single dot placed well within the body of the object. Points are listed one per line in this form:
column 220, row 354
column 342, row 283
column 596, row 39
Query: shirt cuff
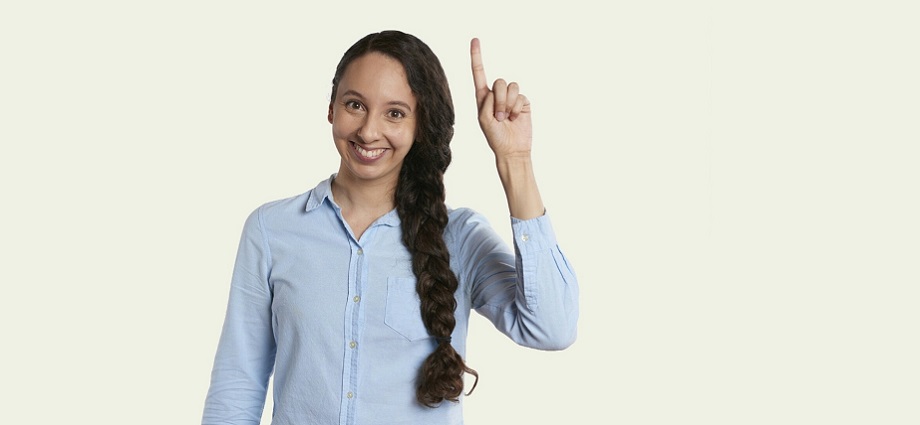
column 534, row 234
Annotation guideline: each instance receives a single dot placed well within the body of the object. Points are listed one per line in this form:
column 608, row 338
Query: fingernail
column 500, row 116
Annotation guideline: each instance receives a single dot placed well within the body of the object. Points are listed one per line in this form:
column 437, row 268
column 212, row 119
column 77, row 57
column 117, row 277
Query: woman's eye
column 351, row 104
column 395, row 113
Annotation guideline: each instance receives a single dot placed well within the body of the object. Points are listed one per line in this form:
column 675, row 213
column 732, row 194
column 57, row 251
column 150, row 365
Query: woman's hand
column 504, row 116
column 504, row 113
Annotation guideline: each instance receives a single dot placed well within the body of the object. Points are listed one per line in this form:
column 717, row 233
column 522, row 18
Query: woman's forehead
column 376, row 75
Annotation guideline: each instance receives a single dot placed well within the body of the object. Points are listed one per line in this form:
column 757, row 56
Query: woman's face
column 373, row 119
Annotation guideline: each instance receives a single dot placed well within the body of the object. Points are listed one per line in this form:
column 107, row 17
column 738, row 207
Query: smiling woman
column 357, row 293
column 373, row 124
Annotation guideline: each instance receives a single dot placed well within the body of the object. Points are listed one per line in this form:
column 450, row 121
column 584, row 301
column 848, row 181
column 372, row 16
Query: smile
column 367, row 154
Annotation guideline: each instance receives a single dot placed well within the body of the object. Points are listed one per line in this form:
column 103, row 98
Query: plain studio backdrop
column 736, row 187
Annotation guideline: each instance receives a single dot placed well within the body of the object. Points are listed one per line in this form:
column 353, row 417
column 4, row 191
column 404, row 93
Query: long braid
column 420, row 204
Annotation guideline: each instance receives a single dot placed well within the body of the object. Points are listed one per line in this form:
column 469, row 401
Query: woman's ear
column 330, row 113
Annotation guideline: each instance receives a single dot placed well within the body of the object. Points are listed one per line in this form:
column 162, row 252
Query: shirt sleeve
column 246, row 351
column 531, row 295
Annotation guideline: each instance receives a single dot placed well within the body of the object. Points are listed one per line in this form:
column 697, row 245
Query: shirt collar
column 320, row 193
column 323, row 192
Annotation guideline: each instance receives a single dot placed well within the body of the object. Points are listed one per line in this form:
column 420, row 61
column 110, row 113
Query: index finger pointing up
column 479, row 72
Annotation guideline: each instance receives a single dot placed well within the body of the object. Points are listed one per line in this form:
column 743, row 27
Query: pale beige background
column 737, row 187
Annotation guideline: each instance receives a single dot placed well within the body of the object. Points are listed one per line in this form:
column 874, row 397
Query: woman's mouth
column 367, row 154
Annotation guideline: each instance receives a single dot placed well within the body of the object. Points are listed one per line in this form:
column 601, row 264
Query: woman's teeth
column 369, row 153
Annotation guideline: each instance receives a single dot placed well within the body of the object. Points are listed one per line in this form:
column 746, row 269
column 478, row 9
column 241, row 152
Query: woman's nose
column 370, row 129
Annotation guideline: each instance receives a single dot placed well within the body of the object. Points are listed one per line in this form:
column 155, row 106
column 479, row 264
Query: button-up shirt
column 337, row 319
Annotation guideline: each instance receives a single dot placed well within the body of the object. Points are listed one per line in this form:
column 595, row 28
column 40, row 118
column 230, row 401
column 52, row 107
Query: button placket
column 353, row 332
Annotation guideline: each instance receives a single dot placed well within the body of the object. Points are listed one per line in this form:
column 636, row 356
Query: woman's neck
column 362, row 202
column 363, row 195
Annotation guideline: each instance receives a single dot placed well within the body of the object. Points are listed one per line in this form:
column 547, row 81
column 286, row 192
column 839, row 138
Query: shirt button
column 350, row 394
column 356, row 298
column 360, row 251
column 352, row 344
column 525, row 237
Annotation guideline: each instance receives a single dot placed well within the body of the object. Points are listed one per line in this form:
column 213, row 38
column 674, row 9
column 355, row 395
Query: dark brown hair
column 420, row 204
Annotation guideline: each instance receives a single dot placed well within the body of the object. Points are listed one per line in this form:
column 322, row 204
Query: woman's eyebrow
column 400, row 103
column 353, row 93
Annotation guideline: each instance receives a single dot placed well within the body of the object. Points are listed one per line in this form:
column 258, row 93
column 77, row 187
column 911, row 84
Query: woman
column 357, row 293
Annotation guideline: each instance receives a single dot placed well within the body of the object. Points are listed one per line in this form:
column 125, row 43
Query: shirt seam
column 265, row 245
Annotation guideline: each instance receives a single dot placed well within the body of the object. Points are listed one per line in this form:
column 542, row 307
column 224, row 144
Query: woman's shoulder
column 296, row 204
column 458, row 215
column 291, row 203
column 464, row 220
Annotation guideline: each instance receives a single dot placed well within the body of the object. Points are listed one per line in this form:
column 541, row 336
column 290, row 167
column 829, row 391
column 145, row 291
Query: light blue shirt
column 338, row 319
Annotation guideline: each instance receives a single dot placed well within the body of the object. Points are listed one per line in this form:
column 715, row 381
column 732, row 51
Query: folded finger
column 500, row 90
column 518, row 107
column 511, row 97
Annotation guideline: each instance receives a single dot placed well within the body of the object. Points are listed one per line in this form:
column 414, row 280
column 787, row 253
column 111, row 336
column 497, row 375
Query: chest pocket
column 404, row 312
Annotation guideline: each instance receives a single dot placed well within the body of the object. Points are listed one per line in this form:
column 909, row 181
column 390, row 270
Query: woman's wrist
column 520, row 184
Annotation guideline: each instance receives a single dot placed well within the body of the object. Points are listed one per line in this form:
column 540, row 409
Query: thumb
column 487, row 108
